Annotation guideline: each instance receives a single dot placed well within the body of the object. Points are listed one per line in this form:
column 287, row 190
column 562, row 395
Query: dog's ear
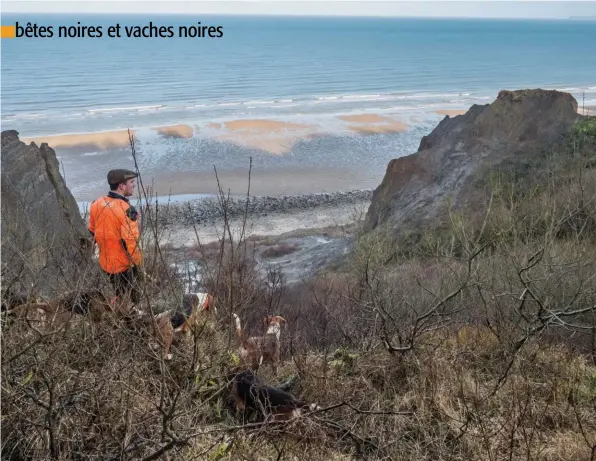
column 194, row 300
column 266, row 321
column 281, row 319
column 209, row 304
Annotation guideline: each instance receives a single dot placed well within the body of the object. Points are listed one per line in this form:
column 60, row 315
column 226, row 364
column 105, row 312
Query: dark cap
column 119, row 176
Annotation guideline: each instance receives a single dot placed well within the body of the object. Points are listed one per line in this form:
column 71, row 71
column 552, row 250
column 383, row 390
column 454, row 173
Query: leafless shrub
column 476, row 342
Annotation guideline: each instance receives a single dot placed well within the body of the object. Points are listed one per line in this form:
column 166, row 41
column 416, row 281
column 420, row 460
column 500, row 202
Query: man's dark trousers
column 127, row 284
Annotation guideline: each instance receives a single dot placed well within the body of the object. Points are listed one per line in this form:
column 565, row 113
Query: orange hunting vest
column 114, row 224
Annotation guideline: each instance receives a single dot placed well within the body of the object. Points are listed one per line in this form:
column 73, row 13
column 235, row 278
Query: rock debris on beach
column 209, row 210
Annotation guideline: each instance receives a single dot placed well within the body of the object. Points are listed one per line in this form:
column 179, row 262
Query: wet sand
column 278, row 145
column 373, row 124
column 275, row 137
column 179, row 159
column 85, row 141
column 105, row 140
column 588, row 110
column 451, row 113
column 263, row 126
column 366, row 118
column 272, row 136
column 283, row 181
column 175, row 131
column 394, row 127
column 85, row 176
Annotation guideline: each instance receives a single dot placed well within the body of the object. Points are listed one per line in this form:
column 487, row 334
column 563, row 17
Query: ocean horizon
column 339, row 96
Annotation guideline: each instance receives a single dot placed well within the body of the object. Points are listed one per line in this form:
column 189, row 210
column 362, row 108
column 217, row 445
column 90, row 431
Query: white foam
column 121, row 109
column 361, row 96
column 33, row 115
column 259, row 102
column 576, row 89
column 309, row 108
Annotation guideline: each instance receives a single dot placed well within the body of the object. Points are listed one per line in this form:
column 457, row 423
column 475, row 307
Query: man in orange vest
column 113, row 221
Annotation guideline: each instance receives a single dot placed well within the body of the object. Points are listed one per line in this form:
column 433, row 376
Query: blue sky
column 428, row 8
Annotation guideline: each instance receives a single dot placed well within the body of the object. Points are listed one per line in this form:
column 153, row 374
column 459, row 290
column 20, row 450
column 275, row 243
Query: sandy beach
column 84, row 141
column 334, row 152
column 277, row 182
column 263, row 126
column 273, row 144
column 272, row 136
column 366, row 118
column 175, row 131
column 105, row 140
column 275, row 137
column 373, row 124
column 587, row 110
column 279, row 138
column 394, row 127
column 450, row 113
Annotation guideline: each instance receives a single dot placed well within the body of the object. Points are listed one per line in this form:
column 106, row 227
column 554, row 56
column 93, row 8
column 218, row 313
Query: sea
column 304, row 70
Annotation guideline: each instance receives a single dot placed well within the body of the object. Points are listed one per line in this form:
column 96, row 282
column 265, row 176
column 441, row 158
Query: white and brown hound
column 256, row 350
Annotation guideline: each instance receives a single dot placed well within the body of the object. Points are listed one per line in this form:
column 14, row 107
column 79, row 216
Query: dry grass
column 474, row 343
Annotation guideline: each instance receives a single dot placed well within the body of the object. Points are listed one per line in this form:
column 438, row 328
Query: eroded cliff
column 44, row 238
column 416, row 188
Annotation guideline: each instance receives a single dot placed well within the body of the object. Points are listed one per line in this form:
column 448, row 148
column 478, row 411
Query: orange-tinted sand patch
column 274, row 136
column 451, row 113
column 275, row 144
column 271, row 136
column 366, row 118
column 103, row 140
column 264, row 126
column 373, row 124
column 394, row 127
column 175, row 131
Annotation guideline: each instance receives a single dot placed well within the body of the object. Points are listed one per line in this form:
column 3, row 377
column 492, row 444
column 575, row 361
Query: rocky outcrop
column 416, row 188
column 45, row 242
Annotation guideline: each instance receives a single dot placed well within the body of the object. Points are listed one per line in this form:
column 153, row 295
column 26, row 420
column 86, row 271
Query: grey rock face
column 45, row 241
column 518, row 124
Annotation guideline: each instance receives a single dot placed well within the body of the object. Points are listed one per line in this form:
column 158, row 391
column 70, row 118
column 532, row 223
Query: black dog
column 250, row 393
